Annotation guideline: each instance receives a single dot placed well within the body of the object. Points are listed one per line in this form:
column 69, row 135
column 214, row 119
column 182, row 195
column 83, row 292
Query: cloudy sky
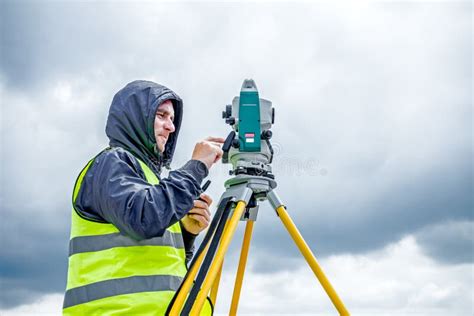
column 373, row 140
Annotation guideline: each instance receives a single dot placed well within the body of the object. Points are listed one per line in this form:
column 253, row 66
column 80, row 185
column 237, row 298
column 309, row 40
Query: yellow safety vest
column 112, row 274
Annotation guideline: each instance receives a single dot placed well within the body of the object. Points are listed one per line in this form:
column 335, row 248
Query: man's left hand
column 199, row 217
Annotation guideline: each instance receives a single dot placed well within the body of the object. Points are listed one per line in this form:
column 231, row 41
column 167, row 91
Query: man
column 132, row 232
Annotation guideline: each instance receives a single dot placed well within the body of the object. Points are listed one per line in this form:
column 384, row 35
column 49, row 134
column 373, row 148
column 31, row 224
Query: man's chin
column 160, row 147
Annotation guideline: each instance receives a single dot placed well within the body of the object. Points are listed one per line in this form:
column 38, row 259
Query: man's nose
column 170, row 126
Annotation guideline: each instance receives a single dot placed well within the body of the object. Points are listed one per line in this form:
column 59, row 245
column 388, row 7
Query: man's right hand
column 209, row 151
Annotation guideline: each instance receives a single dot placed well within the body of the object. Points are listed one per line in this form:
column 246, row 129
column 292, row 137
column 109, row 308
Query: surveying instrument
column 250, row 152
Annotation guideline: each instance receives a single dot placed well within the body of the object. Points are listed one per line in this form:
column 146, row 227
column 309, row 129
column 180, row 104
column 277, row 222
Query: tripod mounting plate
column 257, row 184
column 251, row 190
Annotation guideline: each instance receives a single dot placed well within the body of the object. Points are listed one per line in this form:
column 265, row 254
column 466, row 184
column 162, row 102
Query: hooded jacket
column 114, row 188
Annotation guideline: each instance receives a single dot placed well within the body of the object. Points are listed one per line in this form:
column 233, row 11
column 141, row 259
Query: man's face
column 164, row 124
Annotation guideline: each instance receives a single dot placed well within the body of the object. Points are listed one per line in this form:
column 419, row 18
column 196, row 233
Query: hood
column 131, row 120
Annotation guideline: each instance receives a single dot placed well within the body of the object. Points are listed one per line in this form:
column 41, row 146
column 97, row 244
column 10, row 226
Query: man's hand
column 198, row 218
column 209, row 151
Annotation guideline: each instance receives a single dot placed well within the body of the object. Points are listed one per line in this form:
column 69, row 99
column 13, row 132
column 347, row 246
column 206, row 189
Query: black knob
column 266, row 134
column 235, row 143
column 228, row 111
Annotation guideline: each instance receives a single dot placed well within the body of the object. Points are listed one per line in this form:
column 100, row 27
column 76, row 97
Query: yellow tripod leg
column 215, row 285
column 240, row 271
column 308, row 255
column 183, row 293
column 219, row 258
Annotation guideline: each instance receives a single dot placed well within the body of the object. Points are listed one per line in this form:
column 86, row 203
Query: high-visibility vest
column 112, row 274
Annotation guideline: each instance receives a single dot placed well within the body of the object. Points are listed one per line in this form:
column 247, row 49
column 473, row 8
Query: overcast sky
column 373, row 139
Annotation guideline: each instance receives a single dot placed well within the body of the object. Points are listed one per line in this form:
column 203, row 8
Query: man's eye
column 159, row 114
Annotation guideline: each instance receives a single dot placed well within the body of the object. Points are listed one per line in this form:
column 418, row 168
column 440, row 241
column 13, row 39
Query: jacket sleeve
column 115, row 190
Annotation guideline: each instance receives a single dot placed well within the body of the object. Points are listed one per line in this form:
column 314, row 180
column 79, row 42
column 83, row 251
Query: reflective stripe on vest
column 112, row 274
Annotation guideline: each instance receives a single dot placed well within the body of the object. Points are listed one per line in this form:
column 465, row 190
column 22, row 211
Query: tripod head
column 248, row 146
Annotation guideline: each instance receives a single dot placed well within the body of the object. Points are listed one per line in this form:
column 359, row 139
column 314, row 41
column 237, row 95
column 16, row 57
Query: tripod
column 238, row 202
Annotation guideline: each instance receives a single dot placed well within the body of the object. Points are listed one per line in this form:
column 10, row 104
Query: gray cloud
column 373, row 129
column 450, row 242
column 44, row 40
column 33, row 260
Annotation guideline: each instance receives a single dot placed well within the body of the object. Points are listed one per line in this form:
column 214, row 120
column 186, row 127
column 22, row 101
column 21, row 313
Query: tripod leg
column 188, row 283
column 308, row 255
column 176, row 305
column 219, row 257
column 215, row 285
column 240, row 271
